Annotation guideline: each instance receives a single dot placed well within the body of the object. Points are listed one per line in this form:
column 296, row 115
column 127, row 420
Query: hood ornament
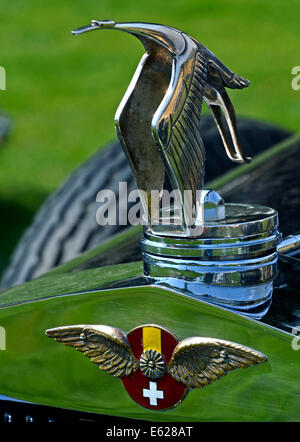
column 194, row 241
column 158, row 120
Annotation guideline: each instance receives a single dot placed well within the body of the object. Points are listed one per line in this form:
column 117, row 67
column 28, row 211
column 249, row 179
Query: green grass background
column 62, row 91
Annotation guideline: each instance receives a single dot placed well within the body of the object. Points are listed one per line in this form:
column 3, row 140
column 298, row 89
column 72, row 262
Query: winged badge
column 151, row 357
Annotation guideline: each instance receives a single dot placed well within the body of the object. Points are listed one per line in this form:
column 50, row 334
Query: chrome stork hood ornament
column 158, row 120
column 220, row 252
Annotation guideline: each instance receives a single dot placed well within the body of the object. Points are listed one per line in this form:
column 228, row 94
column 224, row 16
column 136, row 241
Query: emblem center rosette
column 152, row 364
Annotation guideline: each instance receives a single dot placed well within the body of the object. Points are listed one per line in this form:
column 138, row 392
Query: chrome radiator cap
column 233, row 263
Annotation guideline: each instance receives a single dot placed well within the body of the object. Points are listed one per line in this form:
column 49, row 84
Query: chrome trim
column 234, row 273
column 290, row 245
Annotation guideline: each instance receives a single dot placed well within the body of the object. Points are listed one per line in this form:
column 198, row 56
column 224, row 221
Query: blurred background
column 63, row 91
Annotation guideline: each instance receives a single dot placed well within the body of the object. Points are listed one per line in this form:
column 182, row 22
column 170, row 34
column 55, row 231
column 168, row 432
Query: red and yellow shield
column 157, row 392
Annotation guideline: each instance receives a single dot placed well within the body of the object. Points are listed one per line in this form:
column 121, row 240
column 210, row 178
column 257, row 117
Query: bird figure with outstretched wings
column 195, row 361
column 158, row 120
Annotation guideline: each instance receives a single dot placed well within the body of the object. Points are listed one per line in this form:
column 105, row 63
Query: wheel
column 66, row 226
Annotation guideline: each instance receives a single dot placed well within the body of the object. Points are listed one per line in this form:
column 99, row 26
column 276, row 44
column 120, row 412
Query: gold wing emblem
column 196, row 362
column 106, row 346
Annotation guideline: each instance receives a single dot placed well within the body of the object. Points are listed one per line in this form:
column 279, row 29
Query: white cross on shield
column 152, row 393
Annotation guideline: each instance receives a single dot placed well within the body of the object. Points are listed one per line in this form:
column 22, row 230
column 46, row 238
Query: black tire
column 66, row 226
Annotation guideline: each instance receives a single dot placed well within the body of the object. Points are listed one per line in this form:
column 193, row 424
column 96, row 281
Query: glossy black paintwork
column 285, row 309
column 274, row 183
